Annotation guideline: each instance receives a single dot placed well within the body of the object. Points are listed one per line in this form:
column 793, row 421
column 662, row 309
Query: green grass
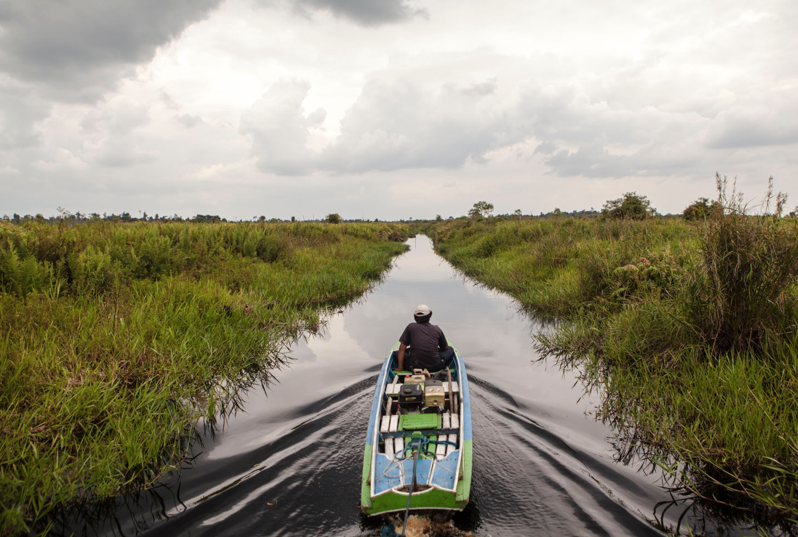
column 115, row 339
column 561, row 266
column 689, row 332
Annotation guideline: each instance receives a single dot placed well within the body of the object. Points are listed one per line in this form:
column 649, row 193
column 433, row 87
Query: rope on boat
column 419, row 443
column 399, row 457
column 412, row 485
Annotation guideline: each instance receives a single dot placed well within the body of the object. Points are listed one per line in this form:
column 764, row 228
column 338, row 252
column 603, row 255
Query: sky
column 391, row 109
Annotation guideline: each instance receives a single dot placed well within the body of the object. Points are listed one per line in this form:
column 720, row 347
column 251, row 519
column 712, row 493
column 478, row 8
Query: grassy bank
column 689, row 331
column 115, row 339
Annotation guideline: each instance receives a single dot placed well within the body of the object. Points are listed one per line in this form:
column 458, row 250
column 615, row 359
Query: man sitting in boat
column 428, row 346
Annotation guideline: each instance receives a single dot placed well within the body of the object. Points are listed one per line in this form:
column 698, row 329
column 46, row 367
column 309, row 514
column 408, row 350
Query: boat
column 418, row 453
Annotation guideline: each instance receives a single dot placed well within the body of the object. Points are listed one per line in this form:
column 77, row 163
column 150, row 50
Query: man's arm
column 442, row 343
column 401, row 356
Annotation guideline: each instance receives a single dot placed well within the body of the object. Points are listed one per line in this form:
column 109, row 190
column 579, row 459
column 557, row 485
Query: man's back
column 424, row 340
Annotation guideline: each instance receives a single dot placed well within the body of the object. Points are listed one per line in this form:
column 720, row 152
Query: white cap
column 422, row 310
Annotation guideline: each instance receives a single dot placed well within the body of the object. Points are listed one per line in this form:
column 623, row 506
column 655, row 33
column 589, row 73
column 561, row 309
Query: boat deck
column 437, row 429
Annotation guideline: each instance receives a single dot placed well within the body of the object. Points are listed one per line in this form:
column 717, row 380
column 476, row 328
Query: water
column 290, row 464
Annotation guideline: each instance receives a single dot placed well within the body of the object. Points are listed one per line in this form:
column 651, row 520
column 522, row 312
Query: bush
column 333, row 218
column 749, row 265
column 630, row 207
column 700, row 209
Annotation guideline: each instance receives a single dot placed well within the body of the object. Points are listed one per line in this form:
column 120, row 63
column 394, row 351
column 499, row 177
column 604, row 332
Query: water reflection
column 289, row 463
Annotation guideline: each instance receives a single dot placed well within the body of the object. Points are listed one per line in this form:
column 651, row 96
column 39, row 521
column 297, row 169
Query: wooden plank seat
column 392, row 390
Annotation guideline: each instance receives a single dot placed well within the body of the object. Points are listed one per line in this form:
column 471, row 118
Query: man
column 428, row 346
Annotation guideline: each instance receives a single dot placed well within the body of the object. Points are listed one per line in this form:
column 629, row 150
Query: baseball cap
column 422, row 310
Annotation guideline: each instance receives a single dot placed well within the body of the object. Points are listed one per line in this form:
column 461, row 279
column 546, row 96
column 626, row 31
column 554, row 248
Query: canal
column 289, row 463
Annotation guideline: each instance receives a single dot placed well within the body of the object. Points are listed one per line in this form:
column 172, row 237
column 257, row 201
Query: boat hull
column 443, row 482
column 430, row 500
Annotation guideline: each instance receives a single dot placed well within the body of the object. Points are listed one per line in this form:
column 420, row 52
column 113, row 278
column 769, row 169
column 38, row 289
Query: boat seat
column 392, row 390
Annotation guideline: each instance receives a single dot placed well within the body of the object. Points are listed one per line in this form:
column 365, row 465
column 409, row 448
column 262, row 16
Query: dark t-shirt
column 424, row 341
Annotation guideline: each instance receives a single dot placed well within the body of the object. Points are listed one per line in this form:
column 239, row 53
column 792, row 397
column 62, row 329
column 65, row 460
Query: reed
column 688, row 330
column 116, row 339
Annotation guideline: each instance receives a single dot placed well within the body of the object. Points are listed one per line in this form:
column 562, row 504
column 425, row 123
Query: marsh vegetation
column 688, row 329
column 117, row 339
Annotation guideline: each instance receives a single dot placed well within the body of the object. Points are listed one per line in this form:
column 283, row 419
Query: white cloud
column 61, row 159
column 279, row 129
column 189, row 120
column 398, row 123
column 19, row 113
column 763, row 122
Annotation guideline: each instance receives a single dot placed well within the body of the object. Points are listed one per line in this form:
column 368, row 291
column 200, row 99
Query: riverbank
column 116, row 339
column 687, row 330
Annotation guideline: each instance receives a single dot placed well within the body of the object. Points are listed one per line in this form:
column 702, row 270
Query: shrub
column 749, row 265
column 700, row 209
column 333, row 218
column 630, row 207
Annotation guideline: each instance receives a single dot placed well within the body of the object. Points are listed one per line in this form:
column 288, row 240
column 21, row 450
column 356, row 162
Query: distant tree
column 206, row 218
column 333, row 218
column 262, row 218
column 700, row 209
column 517, row 213
column 481, row 209
column 630, row 207
column 438, row 218
column 293, row 218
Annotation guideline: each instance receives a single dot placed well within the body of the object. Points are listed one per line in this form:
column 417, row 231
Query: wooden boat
column 431, row 443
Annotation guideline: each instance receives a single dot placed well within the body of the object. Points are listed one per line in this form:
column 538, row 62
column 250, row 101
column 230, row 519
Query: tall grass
column 115, row 339
column 689, row 332
column 742, row 296
column 564, row 266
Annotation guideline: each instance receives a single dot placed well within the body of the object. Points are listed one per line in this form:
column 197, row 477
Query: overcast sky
column 390, row 108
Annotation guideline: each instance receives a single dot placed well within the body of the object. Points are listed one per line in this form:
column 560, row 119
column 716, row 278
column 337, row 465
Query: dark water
column 290, row 463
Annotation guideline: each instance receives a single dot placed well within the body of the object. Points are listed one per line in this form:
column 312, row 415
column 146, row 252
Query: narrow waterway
column 290, row 463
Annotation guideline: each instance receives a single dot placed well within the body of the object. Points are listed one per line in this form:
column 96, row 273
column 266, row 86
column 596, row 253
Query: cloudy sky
column 391, row 108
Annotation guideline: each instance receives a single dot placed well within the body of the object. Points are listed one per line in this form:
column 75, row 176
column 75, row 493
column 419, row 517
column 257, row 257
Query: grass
column 689, row 332
column 559, row 267
column 116, row 339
